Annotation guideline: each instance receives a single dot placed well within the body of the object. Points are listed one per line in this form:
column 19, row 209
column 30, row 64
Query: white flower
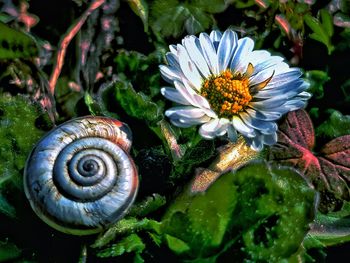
column 226, row 87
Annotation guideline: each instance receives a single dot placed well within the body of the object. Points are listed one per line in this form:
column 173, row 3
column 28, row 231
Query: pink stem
column 65, row 42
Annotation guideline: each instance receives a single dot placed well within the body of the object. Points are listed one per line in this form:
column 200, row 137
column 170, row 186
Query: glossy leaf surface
column 328, row 170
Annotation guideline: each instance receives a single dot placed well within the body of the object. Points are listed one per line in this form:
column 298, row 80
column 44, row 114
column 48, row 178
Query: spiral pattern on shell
column 79, row 178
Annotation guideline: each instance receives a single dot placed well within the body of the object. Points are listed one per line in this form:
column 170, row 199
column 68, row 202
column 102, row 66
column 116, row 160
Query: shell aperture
column 79, row 178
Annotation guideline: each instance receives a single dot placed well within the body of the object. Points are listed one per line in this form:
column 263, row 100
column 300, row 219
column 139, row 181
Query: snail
column 79, row 178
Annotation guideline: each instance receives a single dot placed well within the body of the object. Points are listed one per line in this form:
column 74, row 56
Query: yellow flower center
column 227, row 94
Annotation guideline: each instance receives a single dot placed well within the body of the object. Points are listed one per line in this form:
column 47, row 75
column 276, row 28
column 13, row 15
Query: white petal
column 256, row 143
column 174, row 95
column 178, row 123
column 290, row 105
column 254, row 58
column 243, row 50
column 193, row 48
column 170, row 74
column 265, row 127
column 289, row 90
column 267, row 73
column 223, row 126
column 267, row 63
column 195, row 99
column 173, row 49
column 263, row 115
column 268, row 103
column 187, row 93
column 173, row 60
column 188, row 67
column 291, row 75
column 199, row 100
column 296, row 104
column 215, row 37
column 208, row 130
column 270, row 139
column 226, row 48
column 209, row 53
column 257, row 56
column 195, row 121
column 184, row 111
column 242, row 128
column 304, row 95
column 231, row 133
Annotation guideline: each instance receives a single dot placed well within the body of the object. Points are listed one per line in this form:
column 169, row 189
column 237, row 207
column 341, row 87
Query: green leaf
column 137, row 104
column 317, row 79
column 336, row 125
column 196, row 153
column 211, row 6
column 125, row 226
column 328, row 230
column 93, row 106
column 345, row 87
column 170, row 18
column 6, row 208
column 140, row 8
column 67, row 98
column 195, row 225
column 327, row 22
column 147, row 206
column 141, row 70
column 275, row 208
column 177, row 245
column 16, row 44
column 131, row 243
column 269, row 208
column 322, row 28
column 8, row 251
column 18, row 118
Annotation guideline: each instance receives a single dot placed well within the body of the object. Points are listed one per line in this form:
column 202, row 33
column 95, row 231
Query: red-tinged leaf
column 338, row 150
column 335, row 161
column 298, row 127
column 329, row 171
column 338, row 185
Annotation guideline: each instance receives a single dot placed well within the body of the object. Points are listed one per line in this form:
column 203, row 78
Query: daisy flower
column 227, row 87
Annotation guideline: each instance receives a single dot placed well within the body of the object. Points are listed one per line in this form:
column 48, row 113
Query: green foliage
column 195, row 154
column 16, row 44
column 170, row 18
column 140, row 8
column 329, row 230
column 322, row 28
column 142, row 71
column 147, row 206
column 335, row 126
column 18, row 133
column 345, row 87
column 8, row 251
column 137, row 104
column 274, row 212
column 131, row 243
column 268, row 208
column 125, row 226
column 66, row 97
column 195, row 225
column 5, row 207
column 256, row 214
column 317, row 79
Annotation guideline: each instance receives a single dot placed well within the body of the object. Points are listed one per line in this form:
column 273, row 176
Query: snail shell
column 79, row 178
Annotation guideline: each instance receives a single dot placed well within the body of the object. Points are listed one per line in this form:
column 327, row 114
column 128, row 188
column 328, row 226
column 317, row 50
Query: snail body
column 79, row 178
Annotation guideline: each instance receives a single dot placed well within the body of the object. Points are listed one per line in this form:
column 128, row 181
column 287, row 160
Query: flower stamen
column 227, row 93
